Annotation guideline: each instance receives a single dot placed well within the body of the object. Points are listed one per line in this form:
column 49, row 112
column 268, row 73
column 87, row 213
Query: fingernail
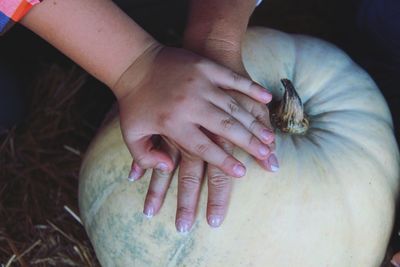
column 263, row 150
column 266, row 96
column 266, row 135
column 149, row 211
column 215, row 220
column 273, row 163
column 239, row 170
column 394, row 263
column 134, row 173
column 162, row 167
column 182, row 226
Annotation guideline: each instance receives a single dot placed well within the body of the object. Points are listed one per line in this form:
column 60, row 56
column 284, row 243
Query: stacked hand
column 213, row 108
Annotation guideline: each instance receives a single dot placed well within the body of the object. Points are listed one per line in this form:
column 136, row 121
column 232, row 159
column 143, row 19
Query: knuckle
column 254, row 124
column 161, row 174
column 165, row 119
column 201, row 149
column 236, row 77
column 218, row 205
column 131, row 135
column 261, row 113
column 185, row 211
column 252, row 85
column 228, row 123
column 219, row 181
column 259, row 117
column 141, row 161
column 233, row 106
column 190, row 182
column 253, row 140
column 260, row 110
column 224, row 143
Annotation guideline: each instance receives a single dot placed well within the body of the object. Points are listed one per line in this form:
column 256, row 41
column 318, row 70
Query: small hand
column 175, row 93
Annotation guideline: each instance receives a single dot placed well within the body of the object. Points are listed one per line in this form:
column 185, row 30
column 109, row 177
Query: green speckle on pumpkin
column 160, row 234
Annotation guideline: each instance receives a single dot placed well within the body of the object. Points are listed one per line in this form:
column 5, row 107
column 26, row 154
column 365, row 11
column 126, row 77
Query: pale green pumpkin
column 331, row 203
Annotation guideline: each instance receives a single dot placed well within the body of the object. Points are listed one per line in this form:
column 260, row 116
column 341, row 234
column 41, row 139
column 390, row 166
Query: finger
column 247, row 119
column 189, row 183
column 196, row 143
column 225, row 125
column 136, row 172
column 146, row 155
column 219, row 189
column 261, row 112
column 155, row 196
column 159, row 183
column 271, row 164
column 227, row 79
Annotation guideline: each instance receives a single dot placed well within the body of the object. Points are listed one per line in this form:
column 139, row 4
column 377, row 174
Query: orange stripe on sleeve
column 22, row 9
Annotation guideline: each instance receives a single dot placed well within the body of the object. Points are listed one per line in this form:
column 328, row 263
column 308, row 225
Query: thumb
column 147, row 156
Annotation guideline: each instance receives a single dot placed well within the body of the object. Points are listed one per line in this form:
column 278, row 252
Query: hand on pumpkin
column 175, row 93
column 191, row 170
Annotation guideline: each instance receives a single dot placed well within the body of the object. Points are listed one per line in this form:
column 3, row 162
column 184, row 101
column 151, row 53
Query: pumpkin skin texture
column 331, row 203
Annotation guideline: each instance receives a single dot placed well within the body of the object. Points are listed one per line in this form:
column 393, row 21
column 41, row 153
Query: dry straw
column 40, row 161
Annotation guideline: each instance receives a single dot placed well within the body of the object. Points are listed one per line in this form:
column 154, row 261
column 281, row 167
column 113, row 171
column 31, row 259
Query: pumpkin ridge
column 355, row 145
column 95, row 206
column 378, row 119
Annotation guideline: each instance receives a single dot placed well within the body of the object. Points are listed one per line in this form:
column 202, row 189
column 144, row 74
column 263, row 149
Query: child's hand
column 174, row 93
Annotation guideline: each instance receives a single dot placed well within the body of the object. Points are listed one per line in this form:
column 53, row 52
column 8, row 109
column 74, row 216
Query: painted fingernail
column 183, row 226
column 239, row 170
column 263, row 150
column 134, row 174
column 266, row 96
column 394, row 263
column 273, row 163
column 149, row 211
column 215, row 220
column 266, row 135
column 162, row 167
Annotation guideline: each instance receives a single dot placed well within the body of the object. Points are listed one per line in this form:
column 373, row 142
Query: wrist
column 199, row 35
column 215, row 29
column 136, row 72
column 224, row 49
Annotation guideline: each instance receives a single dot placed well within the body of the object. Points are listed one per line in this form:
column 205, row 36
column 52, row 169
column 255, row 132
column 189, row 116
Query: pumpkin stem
column 288, row 115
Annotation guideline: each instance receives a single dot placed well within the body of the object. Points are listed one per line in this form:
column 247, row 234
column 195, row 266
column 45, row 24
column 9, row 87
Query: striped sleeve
column 11, row 11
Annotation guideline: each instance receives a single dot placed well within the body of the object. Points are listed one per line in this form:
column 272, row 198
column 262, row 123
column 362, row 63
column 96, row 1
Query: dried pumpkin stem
column 288, row 115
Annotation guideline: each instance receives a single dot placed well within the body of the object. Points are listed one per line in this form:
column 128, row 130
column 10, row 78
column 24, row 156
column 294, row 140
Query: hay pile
column 40, row 161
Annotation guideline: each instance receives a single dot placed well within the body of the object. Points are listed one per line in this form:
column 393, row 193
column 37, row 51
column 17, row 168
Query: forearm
column 96, row 34
column 216, row 27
